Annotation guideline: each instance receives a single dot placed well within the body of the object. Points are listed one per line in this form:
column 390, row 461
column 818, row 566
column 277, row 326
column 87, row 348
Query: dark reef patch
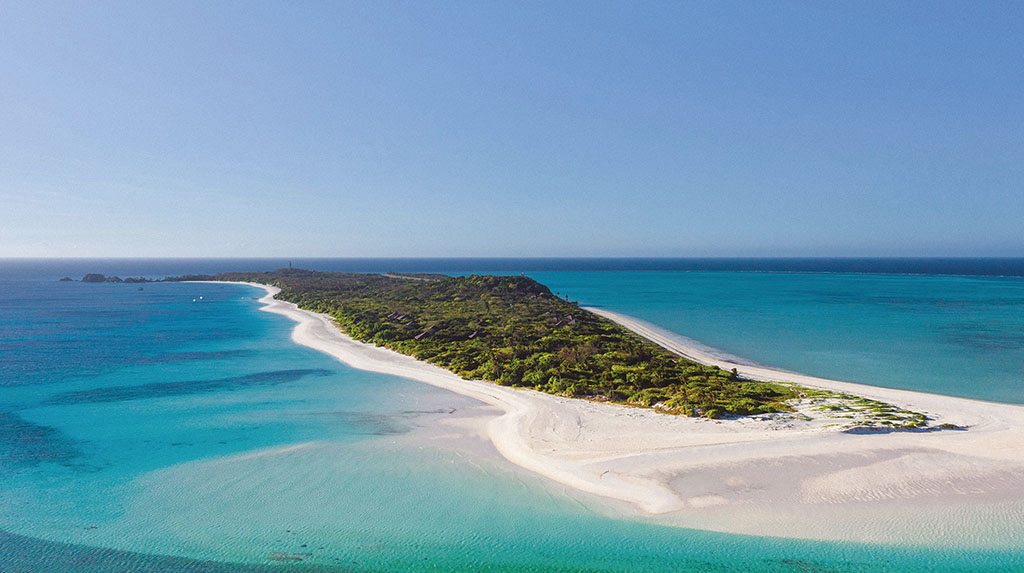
column 167, row 389
column 981, row 337
column 23, row 443
column 371, row 424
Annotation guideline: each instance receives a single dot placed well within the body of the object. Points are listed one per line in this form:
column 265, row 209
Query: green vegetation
column 863, row 413
column 515, row 332
column 98, row 278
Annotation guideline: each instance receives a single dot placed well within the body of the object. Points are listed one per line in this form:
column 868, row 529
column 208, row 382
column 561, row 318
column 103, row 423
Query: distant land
column 158, row 267
column 98, row 278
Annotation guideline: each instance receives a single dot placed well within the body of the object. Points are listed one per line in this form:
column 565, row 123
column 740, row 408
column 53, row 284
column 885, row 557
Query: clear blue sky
column 511, row 129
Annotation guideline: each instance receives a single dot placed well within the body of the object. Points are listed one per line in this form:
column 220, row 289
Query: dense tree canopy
column 513, row 331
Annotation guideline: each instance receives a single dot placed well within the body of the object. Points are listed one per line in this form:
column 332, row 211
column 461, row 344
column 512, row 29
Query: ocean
column 175, row 427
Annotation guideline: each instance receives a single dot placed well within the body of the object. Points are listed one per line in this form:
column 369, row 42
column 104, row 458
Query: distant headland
column 98, row 278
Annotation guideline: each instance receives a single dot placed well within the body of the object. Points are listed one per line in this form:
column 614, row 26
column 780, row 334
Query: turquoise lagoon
column 952, row 335
column 177, row 427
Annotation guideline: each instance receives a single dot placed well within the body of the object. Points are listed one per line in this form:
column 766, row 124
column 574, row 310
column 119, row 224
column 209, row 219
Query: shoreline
column 769, row 475
column 910, row 399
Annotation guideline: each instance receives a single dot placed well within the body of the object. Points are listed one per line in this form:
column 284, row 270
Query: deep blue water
column 32, row 269
column 177, row 427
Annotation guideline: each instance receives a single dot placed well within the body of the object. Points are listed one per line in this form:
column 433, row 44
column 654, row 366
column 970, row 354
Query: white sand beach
column 777, row 475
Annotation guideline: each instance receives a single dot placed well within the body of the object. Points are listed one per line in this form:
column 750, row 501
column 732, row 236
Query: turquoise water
column 177, row 427
column 952, row 335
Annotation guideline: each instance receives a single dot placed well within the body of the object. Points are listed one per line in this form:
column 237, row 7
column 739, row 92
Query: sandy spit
column 776, row 475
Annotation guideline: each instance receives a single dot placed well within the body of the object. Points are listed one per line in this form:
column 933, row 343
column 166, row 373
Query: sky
column 372, row 129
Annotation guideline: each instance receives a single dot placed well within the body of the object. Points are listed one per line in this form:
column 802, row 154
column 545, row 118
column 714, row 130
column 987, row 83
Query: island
column 513, row 331
column 99, row 278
